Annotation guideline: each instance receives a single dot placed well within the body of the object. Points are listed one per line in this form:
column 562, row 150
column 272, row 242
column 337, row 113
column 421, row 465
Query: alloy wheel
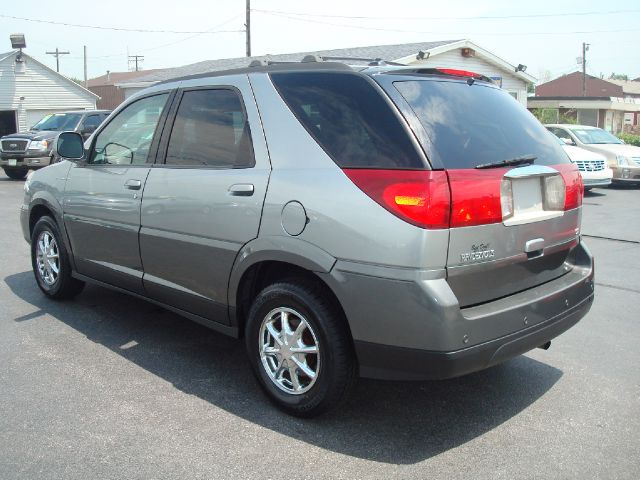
column 289, row 350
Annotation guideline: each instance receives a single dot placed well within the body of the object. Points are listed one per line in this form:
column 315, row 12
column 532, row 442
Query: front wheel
column 299, row 348
column 16, row 173
column 50, row 261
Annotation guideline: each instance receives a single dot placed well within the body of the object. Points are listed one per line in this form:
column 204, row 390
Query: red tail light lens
column 574, row 185
column 475, row 196
column 420, row 197
column 456, row 198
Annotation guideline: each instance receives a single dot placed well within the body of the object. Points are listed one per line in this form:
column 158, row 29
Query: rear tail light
column 554, row 192
column 506, row 198
column 476, row 196
column 420, row 197
column 574, row 186
column 461, row 198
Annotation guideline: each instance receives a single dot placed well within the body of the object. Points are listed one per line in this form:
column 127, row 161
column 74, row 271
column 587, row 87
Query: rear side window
column 92, row 121
column 211, row 129
column 349, row 119
column 470, row 125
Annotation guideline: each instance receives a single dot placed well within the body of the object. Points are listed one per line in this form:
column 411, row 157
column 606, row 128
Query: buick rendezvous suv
column 385, row 222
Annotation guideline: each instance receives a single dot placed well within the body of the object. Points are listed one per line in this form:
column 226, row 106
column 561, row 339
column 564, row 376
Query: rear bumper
column 413, row 328
column 396, row 363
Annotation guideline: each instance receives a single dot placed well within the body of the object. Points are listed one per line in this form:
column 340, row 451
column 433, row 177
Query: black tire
column 16, row 173
column 336, row 367
column 64, row 286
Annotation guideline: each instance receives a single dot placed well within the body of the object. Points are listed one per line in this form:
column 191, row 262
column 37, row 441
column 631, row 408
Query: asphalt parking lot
column 108, row 386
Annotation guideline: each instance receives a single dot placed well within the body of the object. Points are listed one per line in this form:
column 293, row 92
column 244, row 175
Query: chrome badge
column 481, row 251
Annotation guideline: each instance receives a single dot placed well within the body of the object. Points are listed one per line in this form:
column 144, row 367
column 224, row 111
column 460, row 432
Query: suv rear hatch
column 515, row 196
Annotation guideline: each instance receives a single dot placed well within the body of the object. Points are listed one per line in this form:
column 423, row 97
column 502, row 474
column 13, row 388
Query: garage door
column 34, row 116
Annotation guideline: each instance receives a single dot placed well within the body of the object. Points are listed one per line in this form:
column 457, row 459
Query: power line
column 118, row 29
column 235, row 17
column 360, row 27
column 482, row 17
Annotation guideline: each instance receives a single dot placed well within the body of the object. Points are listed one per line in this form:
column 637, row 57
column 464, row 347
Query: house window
column 514, row 95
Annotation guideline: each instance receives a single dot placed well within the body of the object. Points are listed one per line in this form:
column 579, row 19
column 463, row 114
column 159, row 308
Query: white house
column 457, row 54
column 29, row 90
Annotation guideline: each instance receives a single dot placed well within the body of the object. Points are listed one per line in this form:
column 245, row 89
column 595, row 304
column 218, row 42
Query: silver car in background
column 623, row 159
column 344, row 221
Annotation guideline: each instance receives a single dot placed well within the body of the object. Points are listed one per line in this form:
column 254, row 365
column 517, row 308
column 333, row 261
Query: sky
column 546, row 36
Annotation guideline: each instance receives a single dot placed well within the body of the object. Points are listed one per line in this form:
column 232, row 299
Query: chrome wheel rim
column 289, row 350
column 47, row 258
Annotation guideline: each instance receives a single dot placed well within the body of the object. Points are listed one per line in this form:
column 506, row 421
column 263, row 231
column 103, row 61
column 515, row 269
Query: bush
column 630, row 139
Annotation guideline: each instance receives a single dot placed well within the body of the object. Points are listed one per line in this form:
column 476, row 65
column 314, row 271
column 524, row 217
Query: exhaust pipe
column 545, row 346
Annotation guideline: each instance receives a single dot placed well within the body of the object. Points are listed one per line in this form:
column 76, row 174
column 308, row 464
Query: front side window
column 560, row 133
column 127, row 138
column 211, row 130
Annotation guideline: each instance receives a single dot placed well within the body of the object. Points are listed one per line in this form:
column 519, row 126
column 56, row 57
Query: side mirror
column 70, row 146
column 568, row 141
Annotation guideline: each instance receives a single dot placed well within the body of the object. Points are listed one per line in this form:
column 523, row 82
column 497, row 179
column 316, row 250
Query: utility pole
column 248, row 27
column 585, row 49
column 136, row 59
column 57, row 54
column 85, row 66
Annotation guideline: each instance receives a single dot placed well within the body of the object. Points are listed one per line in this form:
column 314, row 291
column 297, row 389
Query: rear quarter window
column 349, row 119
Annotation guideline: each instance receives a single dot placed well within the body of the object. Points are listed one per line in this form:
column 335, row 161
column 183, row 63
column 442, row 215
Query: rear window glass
column 349, row 119
column 470, row 125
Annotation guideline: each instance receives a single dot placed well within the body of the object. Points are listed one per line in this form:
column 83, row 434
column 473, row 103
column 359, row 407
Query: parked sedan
column 623, row 159
column 592, row 166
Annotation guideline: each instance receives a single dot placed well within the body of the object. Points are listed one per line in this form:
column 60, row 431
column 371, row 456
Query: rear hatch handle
column 534, row 248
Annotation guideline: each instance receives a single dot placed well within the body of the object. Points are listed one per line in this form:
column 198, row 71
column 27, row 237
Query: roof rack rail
column 372, row 62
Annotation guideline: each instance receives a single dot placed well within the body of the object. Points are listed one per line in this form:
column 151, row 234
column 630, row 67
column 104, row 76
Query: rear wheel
column 299, row 348
column 50, row 262
column 16, row 173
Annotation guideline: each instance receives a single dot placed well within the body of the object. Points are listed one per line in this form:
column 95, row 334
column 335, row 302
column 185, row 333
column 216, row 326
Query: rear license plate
column 13, row 162
column 527, row 195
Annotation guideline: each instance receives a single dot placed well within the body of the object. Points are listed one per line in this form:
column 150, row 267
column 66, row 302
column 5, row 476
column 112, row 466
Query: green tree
column 618, row 76
column 546, row 115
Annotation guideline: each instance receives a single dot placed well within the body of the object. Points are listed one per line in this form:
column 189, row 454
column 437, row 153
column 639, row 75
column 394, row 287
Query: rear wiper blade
column 523, row 160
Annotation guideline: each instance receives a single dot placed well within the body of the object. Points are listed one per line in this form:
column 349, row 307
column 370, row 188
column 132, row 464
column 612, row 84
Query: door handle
column 133, row 184
column 241, row 189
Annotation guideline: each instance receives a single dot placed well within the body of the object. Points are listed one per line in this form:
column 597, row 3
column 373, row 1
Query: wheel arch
column 264, row 261
column 42, row 206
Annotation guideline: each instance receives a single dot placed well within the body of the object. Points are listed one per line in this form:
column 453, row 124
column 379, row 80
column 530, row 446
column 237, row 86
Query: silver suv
column 387, row 222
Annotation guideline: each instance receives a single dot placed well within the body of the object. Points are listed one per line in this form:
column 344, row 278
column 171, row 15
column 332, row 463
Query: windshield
column 594, row 135
column 471, row 125
column 58, row 122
